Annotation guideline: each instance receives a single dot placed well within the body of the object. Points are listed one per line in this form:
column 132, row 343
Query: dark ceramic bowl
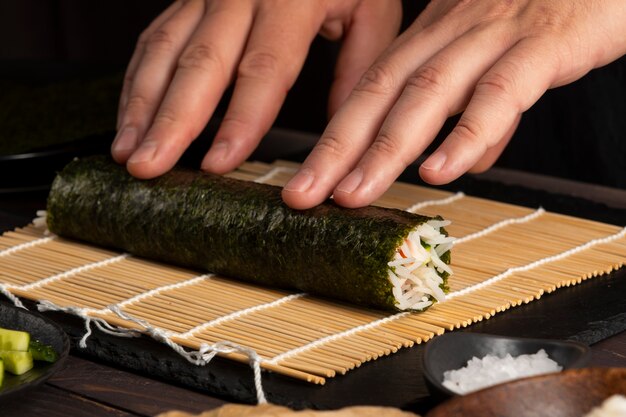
column 571, row 393
column 453, row 350
column 41, row 329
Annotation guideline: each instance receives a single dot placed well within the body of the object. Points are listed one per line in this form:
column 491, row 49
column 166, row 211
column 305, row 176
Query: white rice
column 40, row 221
column 614, row 406
column 492, row 370
column 414, row 269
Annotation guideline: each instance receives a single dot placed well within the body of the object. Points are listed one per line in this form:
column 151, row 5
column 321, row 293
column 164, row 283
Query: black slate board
column 589, row 312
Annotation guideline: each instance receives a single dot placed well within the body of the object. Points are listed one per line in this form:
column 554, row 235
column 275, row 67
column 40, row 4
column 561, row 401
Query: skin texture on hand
column 195, row 49
column 490, row 59
column 487, row 59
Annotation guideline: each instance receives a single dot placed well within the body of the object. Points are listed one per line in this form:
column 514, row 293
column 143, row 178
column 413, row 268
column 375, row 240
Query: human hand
column 491, row 59
column 189, row 55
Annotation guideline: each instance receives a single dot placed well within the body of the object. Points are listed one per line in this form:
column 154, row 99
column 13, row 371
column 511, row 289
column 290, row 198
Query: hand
column 189, row 55
column 490, row 59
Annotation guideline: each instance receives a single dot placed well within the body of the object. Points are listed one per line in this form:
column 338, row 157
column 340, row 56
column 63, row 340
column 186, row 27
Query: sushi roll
column 372, row 256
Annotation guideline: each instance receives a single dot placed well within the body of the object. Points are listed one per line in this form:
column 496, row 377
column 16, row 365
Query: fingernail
column 435, row 161
column 301, row 182
column 126, row 140
column 217, row 154
column 145, row 153
column 351, row 182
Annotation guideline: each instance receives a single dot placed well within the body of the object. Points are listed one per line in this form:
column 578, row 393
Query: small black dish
column 36, row 170
column 41, row 329
column 454, row 350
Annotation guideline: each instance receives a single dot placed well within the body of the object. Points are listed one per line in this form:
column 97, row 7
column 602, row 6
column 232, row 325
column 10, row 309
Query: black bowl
column 42, row 329
column 453, row 350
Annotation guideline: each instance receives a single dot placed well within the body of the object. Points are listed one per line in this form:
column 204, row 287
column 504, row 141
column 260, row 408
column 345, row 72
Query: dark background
column 577, row 131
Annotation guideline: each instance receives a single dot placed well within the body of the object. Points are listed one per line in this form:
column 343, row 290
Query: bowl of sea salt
column 463, row 362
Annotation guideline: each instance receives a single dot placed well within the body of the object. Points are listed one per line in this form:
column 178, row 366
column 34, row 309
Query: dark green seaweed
column 236, row 228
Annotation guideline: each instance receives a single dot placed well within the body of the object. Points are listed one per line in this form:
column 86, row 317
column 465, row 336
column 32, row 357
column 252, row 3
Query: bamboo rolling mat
column 505, row 256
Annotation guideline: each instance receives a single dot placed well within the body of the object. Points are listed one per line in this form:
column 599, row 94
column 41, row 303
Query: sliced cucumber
column 42, row 352
column 15, row 362
column 14, row 340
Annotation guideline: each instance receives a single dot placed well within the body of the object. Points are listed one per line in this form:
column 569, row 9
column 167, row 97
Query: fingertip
column 298, row 201
column 124, row 144
column 349, row 192
column 439, row 169
column 431, row 177
column 145, row 163
column 355, row 190
column 217, row 158
column 348, row 200
column 303, row 190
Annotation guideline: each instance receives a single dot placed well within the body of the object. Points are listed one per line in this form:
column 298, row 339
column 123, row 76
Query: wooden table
column 87, row 387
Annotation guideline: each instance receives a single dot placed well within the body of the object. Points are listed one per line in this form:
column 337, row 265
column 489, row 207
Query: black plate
column 35, row 170
column 41, row 329
column 454, row 350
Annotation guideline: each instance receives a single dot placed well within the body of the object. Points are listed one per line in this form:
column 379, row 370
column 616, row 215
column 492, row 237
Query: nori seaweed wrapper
column 234, row 228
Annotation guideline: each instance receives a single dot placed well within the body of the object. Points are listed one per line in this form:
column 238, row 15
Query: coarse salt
column 492, row 370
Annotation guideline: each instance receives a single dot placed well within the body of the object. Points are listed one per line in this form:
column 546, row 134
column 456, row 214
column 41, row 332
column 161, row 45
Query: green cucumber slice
column 42, row 352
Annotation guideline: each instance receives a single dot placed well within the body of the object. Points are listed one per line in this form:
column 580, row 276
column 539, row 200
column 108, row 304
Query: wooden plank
column 121, row 389
column 49, row 401
column 610, row 352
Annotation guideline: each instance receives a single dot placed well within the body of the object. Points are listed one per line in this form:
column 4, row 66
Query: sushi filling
column 417, row 265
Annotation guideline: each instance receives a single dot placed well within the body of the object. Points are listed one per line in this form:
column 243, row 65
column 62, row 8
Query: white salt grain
column 492, row 370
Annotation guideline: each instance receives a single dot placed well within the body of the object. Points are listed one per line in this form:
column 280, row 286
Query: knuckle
column 259, row 64
column 165, row 117
column 200, row 56
column 496, row 84
column 469, row 132
column 386, row 145
column 128, row 79
column 137, row 103
column 428, row 79
column 159, row 41
column 330, row 144
column 377, row 80
column 142, row 39
column 549, row 18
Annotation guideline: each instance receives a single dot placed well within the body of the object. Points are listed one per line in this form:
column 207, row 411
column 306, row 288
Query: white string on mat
column 440, row 202
column 538, row 262
column 74, row 271
column 499, row 225
column 4, row 289
column 158, row 290
column 272, row 173
column 240, row 313
column 201, row 357
column 322, row 341
column 206, row 352
column 26, row 245
column 84, row 313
